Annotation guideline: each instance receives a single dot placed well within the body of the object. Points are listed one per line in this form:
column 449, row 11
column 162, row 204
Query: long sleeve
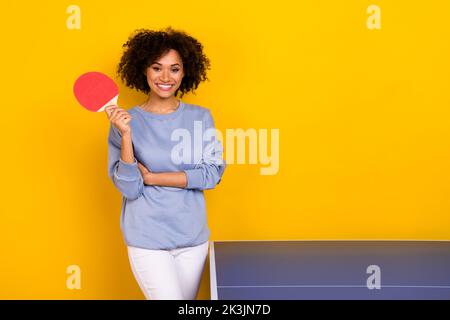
column 126, row 176
column 208, row 172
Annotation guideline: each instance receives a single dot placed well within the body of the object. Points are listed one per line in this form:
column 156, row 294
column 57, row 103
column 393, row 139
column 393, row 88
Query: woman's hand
column 143, row 169
column 119, row 118
column 146, row 174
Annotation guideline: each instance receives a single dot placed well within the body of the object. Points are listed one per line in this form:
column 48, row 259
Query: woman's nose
column 165, row 76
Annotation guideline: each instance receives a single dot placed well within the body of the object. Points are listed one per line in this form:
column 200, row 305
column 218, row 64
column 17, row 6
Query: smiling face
column 164, row 75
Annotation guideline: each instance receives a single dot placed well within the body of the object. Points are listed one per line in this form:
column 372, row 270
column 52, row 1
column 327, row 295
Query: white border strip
column 339, row 286
column 212, row 272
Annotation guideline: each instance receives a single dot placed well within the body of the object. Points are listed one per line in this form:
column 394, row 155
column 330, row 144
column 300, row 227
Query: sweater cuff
column 128, row 170
column 194, row 178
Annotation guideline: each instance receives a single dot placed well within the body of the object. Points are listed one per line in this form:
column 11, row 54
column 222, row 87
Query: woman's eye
column 176, row 70
column 154, row 68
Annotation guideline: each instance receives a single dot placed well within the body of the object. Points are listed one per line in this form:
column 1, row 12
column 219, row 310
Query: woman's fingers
column 112, row 114
column 139, row 165
column 142, row 168
column 127, row 120
column 109, row 109
column 122, row 117
column 118, row 117
column 116, row 114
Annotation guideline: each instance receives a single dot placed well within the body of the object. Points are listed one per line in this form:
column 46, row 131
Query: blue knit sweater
column 158, row 217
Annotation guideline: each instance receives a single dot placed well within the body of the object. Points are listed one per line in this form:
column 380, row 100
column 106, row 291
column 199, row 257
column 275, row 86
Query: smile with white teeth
column 165, row 86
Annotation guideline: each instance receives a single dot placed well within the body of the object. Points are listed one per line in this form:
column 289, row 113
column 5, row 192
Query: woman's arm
column 123, row 172
column 127, row 154
column 207, row 174
column 122, row 165
column 166, row 179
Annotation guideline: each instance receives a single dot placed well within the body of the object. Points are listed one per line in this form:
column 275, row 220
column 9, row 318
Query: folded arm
column 205, row 175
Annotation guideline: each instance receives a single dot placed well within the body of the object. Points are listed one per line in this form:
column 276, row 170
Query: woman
column 163, row 216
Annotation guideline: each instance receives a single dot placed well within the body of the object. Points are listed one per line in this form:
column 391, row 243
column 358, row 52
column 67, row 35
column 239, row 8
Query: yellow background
column 363, row 118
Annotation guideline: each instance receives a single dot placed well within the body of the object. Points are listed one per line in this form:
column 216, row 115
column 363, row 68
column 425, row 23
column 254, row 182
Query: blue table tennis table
column 329, row 269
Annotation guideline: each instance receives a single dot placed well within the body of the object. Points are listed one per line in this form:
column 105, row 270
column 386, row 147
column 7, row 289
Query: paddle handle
column 113, row 101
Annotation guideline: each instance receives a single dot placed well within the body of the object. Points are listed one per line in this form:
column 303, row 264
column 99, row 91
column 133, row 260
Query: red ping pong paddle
column 95, row 91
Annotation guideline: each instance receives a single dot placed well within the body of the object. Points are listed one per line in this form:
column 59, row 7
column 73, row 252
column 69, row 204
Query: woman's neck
column 158, row 105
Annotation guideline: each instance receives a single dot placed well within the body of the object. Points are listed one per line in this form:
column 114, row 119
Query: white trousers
column 169, row 274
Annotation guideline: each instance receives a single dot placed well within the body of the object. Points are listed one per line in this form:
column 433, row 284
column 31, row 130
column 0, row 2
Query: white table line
column 336, row 286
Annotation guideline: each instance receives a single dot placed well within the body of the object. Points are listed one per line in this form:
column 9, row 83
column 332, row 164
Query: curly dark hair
column 146, row 46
